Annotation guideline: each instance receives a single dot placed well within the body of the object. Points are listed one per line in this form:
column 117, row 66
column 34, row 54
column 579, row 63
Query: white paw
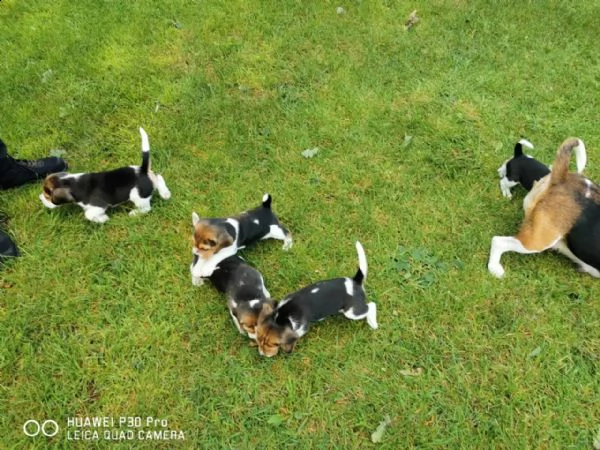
column 372, row 316
column 163, row 190
column 206, row 271
column 496, row 269
column 138, row 211
column 507, row 194
column 99, row 219
column 287, row 243
column 165, row 194
column 197, row 281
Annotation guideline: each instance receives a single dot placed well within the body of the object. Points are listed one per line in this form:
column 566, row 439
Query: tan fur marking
column 267, row 338
column 551, row 208
column 209, row 239
column 560, row 167
column 549, row 216
column 248, row 321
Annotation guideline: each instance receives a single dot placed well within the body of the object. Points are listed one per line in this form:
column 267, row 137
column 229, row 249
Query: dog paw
column 197, row 281
column 165, row 194
column 287, row 243
column 496, row 269
column 206, row 271
column 99, row 219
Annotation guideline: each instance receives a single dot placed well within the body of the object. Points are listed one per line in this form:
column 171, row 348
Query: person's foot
column 16, row 172
column 7, row 246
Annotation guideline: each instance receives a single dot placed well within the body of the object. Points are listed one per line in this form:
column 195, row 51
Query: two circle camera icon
column 48, row 428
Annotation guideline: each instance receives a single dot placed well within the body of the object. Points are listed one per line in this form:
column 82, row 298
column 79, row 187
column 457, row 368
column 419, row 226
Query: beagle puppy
column 217, row 239
column 562, row 212
column 245, row 290
column 525, row 169
column 95, row 192
column 281, row 327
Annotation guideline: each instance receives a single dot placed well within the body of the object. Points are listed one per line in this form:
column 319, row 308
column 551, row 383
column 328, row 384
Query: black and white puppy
column 291, row 319
column 217, row 239
column 95, row 192
column 525, row 170
column 245, row 290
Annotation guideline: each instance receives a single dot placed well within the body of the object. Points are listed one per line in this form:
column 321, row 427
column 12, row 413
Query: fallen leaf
column 310, row 152
column 596, row 442
column 47, row 75
column 535, row 352
column 377, row 435
column 415, row 372
column 412, row 20
column 276, row 419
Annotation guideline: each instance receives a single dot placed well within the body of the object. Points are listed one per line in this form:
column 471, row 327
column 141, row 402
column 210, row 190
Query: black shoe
column 16, row 172
column 7, row 246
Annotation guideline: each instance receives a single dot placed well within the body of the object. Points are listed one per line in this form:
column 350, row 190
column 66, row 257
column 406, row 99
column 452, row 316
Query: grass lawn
column 410, row 127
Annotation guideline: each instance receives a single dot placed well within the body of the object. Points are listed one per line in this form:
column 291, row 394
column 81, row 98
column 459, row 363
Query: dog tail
column 361, row 273
column 580, row 156
column 266, row 201
column 560, row 168
column 519, row 147
column 145, row 167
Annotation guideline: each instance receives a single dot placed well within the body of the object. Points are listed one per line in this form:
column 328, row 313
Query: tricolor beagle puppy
column 217, row 239
column 245, row 290
column 562, row 212
column 525, row 170
column 282, row 326
column 95, row 192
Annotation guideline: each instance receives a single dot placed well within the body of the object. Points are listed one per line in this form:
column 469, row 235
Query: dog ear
column 266, row 310
column 61, row 195
column 288, row 342
column 195, row 219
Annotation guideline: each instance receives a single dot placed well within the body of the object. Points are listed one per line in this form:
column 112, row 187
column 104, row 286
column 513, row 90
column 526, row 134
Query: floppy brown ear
column 61, row 195
column 288, row 343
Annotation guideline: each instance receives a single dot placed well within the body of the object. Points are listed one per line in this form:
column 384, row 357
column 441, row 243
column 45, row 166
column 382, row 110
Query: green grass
column 410, row 126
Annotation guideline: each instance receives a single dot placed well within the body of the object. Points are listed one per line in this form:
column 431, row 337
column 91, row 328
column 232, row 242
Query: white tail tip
column 362, row 259
column 526, row 143
column 145, row 141
column 580, row 156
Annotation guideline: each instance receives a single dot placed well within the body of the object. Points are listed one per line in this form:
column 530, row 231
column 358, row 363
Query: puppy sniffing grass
column 281, row 327
column 245, row 290
column 95, row 192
